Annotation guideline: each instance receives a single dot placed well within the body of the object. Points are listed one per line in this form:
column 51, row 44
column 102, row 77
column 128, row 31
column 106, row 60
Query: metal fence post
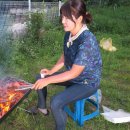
column 29, row 8
column 59, row 6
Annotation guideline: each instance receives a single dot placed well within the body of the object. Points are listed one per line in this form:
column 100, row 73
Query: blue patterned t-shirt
column 84, row 52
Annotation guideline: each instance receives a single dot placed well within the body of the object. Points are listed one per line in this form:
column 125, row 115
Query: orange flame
column 10, row 98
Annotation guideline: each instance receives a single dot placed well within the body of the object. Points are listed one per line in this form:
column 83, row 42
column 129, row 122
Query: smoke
column 2, row 73
column 8, row 46
column 5, row 53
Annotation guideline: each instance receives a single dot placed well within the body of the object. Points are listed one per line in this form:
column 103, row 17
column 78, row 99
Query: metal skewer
column 24, row 87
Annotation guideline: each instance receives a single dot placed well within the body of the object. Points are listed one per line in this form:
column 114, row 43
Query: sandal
column 34, row 110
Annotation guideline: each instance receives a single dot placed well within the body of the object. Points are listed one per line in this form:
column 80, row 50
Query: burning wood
column 8, row 96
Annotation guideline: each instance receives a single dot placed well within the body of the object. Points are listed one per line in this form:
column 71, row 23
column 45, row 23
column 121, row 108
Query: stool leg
column 81, row 120
column 97, row 101
column 74, row 115
column 82, row 117
column 77, row 110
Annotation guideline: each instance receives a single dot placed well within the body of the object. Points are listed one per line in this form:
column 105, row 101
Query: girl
column 81, row 58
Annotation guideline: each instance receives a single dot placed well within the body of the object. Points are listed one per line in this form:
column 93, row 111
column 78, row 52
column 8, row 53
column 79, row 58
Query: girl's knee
column 56, row 103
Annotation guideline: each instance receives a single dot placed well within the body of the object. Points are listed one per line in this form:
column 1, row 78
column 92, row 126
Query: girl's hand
column 45, row 72
column 39, row 84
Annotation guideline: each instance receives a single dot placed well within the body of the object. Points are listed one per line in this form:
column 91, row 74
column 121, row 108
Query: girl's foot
column 34, row 110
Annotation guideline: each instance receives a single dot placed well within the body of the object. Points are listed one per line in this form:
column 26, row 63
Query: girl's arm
column 65, row 76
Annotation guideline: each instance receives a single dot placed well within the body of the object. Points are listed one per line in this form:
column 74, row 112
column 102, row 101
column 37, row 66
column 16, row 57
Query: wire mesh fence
column 14, row 14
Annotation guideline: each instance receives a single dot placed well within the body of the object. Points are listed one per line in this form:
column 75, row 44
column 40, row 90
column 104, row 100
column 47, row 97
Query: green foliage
column 107, row 20
column 5, row 49
column 35, row 25
column 118, row 2
column 1, row 55
column 38, row 27
column 113, row 3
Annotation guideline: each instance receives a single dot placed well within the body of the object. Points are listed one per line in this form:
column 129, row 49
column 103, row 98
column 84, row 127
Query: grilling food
column 8, row 96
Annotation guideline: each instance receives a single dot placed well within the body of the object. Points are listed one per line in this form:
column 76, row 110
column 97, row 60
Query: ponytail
column 87, row 18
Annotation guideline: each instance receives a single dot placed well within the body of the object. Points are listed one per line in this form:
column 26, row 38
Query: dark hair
column 76, row 8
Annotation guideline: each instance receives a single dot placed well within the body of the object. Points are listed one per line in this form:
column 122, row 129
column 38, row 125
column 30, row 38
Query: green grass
column 115, row 83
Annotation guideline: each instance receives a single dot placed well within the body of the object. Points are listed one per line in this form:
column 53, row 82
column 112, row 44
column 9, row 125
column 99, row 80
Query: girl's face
column 72, row 26
column 68, row 24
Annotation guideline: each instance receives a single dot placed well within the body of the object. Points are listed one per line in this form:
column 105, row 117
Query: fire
column 9, row 97
column 5, row 106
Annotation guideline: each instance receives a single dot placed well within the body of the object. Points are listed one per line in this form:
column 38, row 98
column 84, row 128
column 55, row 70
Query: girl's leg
column 71, row 94
column 42, row 93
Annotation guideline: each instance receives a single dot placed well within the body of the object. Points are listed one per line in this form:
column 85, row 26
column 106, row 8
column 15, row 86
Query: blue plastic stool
column 78, row 114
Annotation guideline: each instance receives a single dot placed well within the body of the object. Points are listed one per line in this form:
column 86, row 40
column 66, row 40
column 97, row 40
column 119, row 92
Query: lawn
column 30, row 54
